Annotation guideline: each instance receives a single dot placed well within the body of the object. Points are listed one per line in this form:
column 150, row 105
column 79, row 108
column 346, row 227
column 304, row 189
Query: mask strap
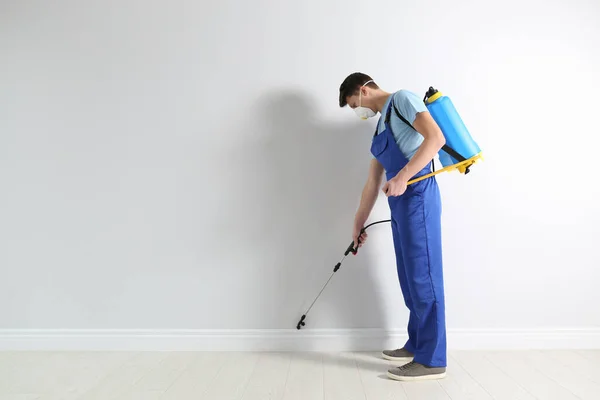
column 359, row 92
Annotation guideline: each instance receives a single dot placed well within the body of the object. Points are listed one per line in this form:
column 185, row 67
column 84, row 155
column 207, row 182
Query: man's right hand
column 358, row 237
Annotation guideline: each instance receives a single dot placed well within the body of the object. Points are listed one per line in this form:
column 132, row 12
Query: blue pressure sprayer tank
column 460, row 150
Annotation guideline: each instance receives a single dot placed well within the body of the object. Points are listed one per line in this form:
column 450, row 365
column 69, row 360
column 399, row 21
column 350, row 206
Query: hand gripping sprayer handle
column 351, row 248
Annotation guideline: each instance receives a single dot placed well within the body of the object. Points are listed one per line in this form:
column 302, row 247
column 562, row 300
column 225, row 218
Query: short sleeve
column 409, row 104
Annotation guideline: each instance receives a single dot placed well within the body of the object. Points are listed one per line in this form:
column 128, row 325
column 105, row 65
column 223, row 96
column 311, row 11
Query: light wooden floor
column 544, row 375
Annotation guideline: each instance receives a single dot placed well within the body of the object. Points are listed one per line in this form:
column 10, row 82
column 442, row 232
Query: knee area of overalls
column 423, row 303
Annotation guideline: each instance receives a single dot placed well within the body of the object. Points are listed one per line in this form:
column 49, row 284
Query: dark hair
column 352, row 84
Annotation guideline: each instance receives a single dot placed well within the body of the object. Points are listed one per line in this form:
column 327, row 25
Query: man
column 404, row 152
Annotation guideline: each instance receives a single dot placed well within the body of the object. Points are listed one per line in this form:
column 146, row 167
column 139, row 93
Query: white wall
column 184, row 165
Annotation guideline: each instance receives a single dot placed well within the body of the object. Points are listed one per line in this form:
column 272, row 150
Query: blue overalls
column 416, row 229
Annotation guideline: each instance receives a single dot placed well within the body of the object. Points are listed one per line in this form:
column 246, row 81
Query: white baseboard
column 286, row 339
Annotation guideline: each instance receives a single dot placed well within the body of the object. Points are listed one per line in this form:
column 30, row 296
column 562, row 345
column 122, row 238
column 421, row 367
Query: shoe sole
column 416, row 378
column 401, row 359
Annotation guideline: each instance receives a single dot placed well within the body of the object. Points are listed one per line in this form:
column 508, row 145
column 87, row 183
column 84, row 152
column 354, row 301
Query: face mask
column 363, row 112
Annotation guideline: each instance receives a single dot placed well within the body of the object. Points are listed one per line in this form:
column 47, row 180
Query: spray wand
column 337, row 266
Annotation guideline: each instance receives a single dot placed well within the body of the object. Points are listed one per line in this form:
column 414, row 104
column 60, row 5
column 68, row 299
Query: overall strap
column 386, row 121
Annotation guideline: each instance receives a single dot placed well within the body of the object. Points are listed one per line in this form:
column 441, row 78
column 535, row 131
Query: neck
column 380, row 99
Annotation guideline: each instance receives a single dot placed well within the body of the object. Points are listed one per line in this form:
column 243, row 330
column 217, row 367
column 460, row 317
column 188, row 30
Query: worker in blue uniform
column 404, row 153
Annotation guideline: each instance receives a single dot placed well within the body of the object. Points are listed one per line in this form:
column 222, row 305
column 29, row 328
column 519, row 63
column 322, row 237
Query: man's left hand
column 395, row 186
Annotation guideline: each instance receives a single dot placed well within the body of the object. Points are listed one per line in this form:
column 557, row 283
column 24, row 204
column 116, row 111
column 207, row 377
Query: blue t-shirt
column 409, row 104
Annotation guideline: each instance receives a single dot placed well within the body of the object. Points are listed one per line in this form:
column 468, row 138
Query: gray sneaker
column 402, row 355
column 416, row 372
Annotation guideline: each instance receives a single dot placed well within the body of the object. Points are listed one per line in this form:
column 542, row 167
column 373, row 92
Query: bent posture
column 404, row 153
